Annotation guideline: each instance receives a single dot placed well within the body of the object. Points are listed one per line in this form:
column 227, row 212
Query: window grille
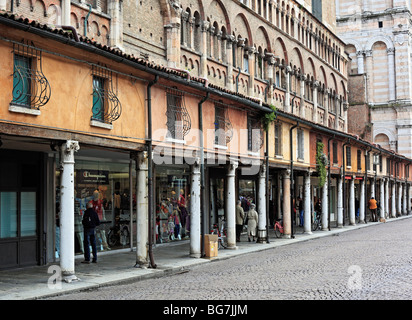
column 106, row 105
column 255, row 134
column 178, row 118
column 30, row 87
column 223, row 126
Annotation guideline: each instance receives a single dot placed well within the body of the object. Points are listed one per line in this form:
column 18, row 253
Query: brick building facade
column 377, row 38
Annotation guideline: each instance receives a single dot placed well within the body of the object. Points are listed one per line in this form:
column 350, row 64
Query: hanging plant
column 268, row 118
column 321, row 163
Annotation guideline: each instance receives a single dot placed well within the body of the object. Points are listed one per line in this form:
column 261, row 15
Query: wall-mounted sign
column 92, row 176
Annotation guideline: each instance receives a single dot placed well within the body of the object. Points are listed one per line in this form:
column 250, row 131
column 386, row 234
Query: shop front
column 172, row 203
column 109, row 184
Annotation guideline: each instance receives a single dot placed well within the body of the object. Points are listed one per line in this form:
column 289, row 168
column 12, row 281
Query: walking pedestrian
column 240, row 215
column 372, row 207
column 90, row 221
column 252, row 222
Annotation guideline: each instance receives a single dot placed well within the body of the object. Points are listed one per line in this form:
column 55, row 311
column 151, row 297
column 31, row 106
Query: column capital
column 68, row 149
column 142, row 160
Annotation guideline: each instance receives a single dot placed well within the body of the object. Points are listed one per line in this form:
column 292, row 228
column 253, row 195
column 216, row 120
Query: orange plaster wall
column 70, row 105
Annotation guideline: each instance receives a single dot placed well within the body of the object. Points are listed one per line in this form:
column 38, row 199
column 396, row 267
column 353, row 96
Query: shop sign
column 92, row 176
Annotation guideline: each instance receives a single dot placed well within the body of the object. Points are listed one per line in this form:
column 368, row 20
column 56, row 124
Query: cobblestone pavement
column 369, row 263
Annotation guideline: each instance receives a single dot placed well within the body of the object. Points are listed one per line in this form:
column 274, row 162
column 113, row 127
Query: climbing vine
column 321, row 162
column 268, row 118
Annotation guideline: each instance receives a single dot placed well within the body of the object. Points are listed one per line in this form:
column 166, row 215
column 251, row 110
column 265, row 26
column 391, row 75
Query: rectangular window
column 22, row 80
column 28, row 214
column 220, row 135
column 368, row 162
column 278, row 139
column 359, row 160
column 31, row 89
column 98, row 98
column 8, row 215
column 106, row 105
column 301, row 144
column 380, row 163
column 255, row 136
column 348, row 156
column 335, row 152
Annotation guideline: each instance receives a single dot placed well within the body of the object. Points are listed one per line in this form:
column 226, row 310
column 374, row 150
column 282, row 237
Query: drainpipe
column 344, row 180
column 292, row 180
column 86, row 19
column 150, row 168
column 329, row 180
column 202, row 177
column 73, row 30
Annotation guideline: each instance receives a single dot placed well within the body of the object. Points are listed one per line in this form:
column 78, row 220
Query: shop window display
column 106, row 186
column 172, row 204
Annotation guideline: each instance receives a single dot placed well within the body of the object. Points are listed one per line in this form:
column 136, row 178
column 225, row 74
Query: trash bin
column 211, row 245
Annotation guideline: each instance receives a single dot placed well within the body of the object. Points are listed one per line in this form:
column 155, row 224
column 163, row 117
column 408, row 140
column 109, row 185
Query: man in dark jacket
column 90, row 222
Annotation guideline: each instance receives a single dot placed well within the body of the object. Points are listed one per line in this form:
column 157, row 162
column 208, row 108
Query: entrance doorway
column 19, row 209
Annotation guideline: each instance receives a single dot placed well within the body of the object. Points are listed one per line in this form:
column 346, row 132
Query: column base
column 308, row 232
column 232, row 247
column 262, row 236
column 195, row 255
column 69, row 278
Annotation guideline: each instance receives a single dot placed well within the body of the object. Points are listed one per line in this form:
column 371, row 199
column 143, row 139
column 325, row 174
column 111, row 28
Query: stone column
column 195, row 248
column 302, row 94
column 262, row 234
column 362, row 202
column 359, row 56
column 3, row 4
column 287, row 94
column 386, row 197
column 66, row 10
column 142, row 206
column 287, row 227
column 399, row 210
column 392, row 77
column 315, row 101
column 340, row 202
column 230, row 40
column 325, row 205
column 404, row 208
column 231, row 205
column 67, row 151
column 352, row 202
column 251, row 57
column 369, row 75
column 307, row 208
column 393, row 213
column 382, row 198
column 116, row 23
column 203, row 47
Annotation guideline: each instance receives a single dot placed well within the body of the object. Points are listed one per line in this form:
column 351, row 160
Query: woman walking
column 252, row 222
